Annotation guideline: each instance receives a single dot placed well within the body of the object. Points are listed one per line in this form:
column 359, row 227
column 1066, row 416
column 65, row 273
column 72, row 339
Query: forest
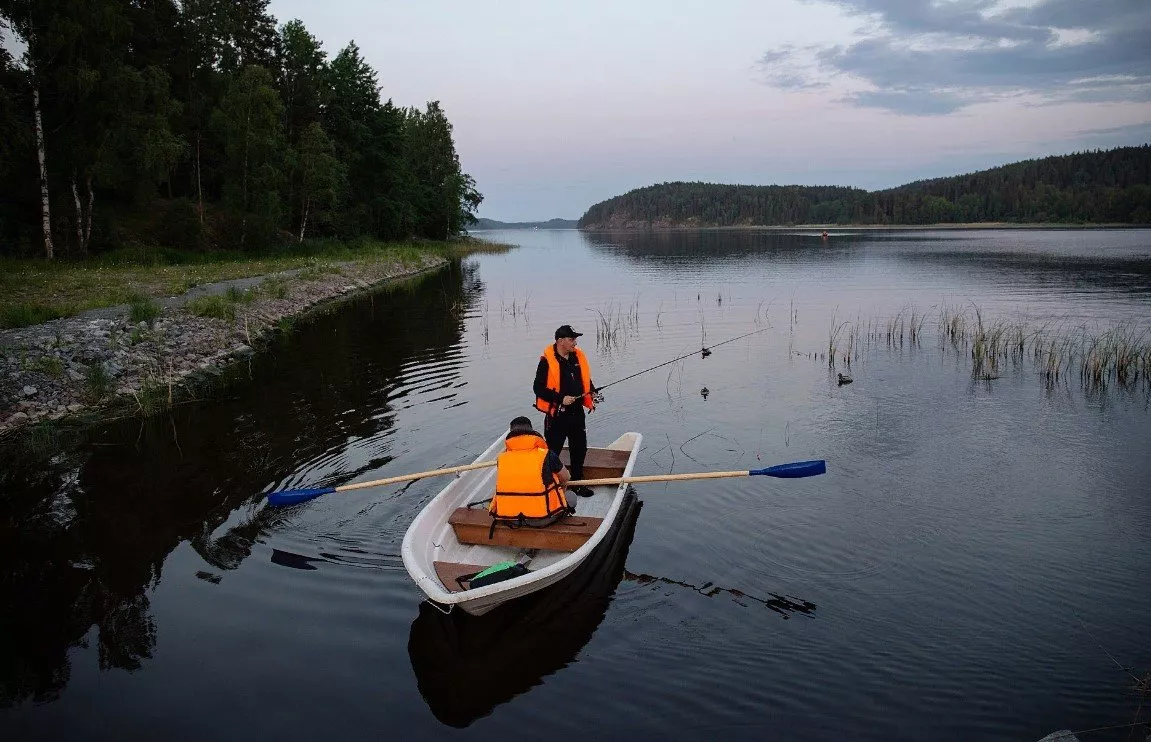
column 203, row 125
column 1097, row 187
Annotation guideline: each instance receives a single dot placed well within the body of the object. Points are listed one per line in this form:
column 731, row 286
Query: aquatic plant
column 1053, row 349
column 614, row 324
column 833, row 339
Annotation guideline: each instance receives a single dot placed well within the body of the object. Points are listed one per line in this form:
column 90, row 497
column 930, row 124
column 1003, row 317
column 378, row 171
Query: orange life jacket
column 553, row 382
column 520, row 487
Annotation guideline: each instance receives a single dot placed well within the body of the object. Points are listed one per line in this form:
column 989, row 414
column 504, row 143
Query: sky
column 560, row 105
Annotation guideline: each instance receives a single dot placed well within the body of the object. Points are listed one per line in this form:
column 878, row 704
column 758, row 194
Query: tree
column 303, row 85
column 321, row 176
column 439, row 186
column 248, row 123
column 35, row 23
column 17, row 152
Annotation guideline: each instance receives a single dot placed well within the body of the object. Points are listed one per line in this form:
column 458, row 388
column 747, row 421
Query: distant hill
column 1112, row 186
column 549, row 224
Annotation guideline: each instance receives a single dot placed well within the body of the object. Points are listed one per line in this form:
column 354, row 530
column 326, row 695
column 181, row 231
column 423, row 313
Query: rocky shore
column 103, row 359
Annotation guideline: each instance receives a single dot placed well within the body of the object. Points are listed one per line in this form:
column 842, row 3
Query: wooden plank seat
column 472, row 526
column 449, row 571
column 600, row 463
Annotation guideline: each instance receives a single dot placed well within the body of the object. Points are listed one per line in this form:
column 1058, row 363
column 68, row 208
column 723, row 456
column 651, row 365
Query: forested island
column 1098, row 187
column 200, row 125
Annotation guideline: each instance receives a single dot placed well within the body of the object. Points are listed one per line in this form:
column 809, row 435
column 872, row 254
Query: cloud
column 931, row 58
column 1114, row 136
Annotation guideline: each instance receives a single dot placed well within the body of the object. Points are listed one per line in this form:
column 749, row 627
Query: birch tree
column 30, row 20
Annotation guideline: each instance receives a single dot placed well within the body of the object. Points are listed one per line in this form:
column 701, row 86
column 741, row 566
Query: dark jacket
column 571, row 381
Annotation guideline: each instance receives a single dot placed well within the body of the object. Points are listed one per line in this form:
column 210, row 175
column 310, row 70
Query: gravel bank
column 100, row 358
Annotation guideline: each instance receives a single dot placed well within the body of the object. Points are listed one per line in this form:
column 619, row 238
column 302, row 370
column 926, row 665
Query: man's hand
column 569, row 400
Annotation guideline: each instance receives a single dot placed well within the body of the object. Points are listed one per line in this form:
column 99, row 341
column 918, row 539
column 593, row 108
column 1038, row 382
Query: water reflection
column 84, row 533
column 665, row 247
column 1101, row 260
column 466, row 666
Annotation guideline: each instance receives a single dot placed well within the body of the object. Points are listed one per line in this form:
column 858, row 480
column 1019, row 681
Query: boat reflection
column 467, row 665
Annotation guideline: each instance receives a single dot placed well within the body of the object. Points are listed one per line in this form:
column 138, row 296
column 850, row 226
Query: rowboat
column 448, row 542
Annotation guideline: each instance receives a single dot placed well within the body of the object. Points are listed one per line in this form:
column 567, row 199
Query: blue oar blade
column 792, row 471
column 291, row 497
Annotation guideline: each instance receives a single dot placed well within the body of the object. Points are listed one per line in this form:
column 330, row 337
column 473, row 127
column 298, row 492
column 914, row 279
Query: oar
column 784, row 471
column 291, row 497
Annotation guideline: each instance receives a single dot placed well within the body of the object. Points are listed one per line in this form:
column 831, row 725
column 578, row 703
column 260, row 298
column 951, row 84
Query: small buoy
column 844, row 379
column 705, row 352
column 704, row 392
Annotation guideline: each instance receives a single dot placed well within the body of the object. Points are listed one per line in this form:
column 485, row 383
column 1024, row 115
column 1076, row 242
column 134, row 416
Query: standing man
column 563, row 389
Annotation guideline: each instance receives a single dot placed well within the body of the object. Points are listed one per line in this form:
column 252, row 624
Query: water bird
column 844, row 379
column 704, row 392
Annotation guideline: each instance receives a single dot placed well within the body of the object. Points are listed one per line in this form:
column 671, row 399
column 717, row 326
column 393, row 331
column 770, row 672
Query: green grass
column 217, row 306
column 239, row 296
column 47, row 365
column 98, row 381
column 14, row 314
column 153, row 398
column 317, row 270
column 36, row 290
column 143, row 309
column 275, row 287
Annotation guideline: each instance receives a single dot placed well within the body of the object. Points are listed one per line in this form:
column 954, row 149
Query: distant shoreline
column 833, row 228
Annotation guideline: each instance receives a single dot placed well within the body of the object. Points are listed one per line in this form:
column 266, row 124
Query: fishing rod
column 705, row 352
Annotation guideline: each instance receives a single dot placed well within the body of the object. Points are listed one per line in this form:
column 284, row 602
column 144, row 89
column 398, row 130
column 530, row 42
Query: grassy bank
column 35, row 291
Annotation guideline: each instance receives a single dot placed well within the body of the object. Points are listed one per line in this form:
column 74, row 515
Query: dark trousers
column 568, row 425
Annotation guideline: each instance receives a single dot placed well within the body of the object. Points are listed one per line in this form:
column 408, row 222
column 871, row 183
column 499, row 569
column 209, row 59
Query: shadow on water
column 467, row 665
column 85, row 533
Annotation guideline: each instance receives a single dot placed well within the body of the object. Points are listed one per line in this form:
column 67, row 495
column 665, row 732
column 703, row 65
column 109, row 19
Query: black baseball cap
column 566, row 331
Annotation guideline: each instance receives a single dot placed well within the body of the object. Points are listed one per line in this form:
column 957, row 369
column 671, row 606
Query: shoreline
column 833, row 228
column 100, row 361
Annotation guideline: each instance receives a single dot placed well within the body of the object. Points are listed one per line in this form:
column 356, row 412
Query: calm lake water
column 974, row 565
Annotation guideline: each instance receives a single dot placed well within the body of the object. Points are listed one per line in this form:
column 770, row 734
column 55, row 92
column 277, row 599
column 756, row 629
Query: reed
column 833, row 336
column 515, row 309
column 614, row 324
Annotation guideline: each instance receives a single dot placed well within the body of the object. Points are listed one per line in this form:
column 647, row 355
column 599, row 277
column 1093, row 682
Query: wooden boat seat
column 472, row 526
column 600, row 463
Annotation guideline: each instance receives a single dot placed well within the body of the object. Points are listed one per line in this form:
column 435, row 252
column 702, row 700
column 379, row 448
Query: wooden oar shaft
column 660, row 478
column 418, row 475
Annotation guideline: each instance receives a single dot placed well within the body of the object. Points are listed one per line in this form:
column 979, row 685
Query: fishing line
column 704, row 351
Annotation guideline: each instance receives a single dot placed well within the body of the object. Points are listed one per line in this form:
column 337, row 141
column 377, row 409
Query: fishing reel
column 597, row 397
